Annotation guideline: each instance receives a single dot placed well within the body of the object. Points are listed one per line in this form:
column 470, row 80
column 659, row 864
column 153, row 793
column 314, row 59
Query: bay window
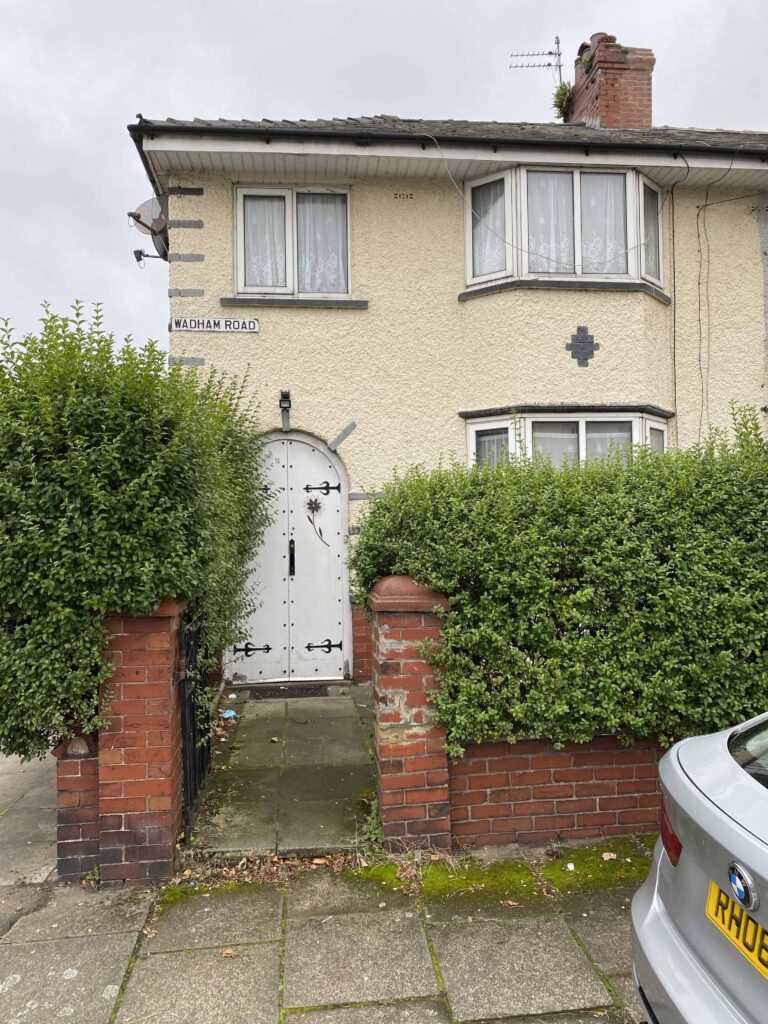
column 293, row 241
column 560, row 223
column 561, row 437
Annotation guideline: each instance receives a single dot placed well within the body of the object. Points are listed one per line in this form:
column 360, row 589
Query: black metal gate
column 195, row 715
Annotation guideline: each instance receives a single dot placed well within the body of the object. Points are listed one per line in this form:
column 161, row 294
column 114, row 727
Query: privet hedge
column 620, row 597
column 121, row 482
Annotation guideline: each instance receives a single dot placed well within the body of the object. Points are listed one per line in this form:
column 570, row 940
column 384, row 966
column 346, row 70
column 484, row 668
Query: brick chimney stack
column 612, row 85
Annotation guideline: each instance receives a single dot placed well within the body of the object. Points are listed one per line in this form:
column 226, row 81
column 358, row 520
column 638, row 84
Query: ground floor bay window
column 560, row 436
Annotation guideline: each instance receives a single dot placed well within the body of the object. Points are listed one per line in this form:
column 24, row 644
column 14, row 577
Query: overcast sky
column 73, row 73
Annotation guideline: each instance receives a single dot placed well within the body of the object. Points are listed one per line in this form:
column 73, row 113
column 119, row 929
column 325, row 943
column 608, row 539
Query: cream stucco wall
column 403, row 368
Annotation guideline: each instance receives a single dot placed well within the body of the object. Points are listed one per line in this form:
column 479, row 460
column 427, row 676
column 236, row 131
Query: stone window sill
column 293, row 302
column 583, row 284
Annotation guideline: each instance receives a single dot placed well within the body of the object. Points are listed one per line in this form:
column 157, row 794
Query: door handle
column 291, row 557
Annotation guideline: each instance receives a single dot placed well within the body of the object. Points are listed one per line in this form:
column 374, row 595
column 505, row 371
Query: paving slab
column 11, row 765
column 16, row 900
column 421, row 1011
column 326, row 782
column 218, row 918
column 225, row 786
column 356, row 958
column 344, row 750
column 203, row 987
column 602, row 922
column 601, row 1016
column 310, row 709
column 503, row 969
column 72, row 911
column 27, row 862
column 243, row 827
column 320, row 893
column 272, row 710
column 249, row 751
column 315, row 827
column 42, row 982
column 627, row 993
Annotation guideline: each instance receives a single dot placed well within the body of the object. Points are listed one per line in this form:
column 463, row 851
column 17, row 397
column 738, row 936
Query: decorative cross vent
column 582, row 346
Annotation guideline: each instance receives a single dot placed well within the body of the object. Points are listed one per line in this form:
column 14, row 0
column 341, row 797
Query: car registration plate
column 741, row 930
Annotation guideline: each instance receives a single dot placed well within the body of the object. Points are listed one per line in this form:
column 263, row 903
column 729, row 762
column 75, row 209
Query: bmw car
column 700, row 921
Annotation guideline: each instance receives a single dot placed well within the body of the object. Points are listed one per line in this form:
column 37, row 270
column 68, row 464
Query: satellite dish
column 161, row 244
column 151, row 218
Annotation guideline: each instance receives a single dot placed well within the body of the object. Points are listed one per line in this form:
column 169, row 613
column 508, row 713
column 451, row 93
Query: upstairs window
column 542, row 222
column 293, row 241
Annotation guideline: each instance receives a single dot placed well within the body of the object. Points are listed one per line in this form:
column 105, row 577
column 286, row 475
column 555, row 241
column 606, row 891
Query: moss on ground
column 384, row 875
column 648, row 839
column 592, row 871
column 173, row 894
column 510, row 880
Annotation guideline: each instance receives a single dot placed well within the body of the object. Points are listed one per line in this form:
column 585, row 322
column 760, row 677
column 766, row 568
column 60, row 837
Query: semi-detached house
column 401, row 291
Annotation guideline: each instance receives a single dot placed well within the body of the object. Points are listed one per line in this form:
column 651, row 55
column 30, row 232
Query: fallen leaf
column 319, row 860
column 230, row 954
column 508, row 903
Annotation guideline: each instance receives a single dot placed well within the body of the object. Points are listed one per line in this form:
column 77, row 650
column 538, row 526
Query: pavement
column 287, row 777
column 328, row 948
column 27, row 821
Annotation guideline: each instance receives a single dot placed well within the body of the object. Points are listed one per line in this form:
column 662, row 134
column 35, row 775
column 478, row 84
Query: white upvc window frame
column 474, row 427
column 510, row 247
column 630, row 213
column 520, row 427
column 642, row 182
column 291, row 239
column 516, row 224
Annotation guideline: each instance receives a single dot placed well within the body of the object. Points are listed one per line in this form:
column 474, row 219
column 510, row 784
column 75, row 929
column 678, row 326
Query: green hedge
column 121, row 483
column 620, row 597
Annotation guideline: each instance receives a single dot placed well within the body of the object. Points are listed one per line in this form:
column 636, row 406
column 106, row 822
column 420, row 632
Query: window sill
column 296, row 303
column 575, row 284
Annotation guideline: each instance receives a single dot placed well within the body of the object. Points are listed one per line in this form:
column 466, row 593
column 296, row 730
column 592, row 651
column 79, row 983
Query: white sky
column 73, row 73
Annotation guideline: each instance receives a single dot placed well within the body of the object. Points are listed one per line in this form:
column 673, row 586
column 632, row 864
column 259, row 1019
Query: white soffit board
column 322, row 159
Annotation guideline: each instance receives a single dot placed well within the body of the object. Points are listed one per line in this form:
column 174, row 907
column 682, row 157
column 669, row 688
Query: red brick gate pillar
column 120, row 792
column 412, row 767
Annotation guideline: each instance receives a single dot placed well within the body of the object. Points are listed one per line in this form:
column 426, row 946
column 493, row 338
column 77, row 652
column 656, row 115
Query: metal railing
column 195, row 714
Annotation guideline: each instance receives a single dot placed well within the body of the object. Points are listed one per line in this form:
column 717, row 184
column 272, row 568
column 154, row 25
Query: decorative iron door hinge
column 326, row 646
column 324, row 487
column 250, row 649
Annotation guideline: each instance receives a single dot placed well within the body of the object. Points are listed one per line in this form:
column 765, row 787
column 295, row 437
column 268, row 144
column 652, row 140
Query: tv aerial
column 552, row 59
column 151, row 218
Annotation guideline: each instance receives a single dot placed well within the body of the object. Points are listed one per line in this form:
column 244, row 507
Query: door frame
column 346, row 628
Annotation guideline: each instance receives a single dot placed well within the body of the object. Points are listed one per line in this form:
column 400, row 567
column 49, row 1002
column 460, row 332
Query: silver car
column 700, row 921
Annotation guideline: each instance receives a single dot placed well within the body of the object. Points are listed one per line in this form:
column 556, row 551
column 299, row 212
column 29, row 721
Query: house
column 401, row 291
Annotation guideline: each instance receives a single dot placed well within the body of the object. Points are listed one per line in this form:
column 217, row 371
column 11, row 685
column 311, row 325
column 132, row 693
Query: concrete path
column 289, row 776
column 27, row 821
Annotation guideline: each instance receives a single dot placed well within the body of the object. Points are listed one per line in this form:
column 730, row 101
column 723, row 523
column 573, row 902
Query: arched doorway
column 302, row 627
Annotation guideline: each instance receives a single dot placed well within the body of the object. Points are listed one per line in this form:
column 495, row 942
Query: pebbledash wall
column 403, row 368
column 119, row 800
column 526, row 792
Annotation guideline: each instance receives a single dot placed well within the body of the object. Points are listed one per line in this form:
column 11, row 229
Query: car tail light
column 672, row 844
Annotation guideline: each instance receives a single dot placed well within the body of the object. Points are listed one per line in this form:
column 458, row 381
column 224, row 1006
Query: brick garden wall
column 120, row 792
column 498, row 792
column 362, row 644
column 529, row 792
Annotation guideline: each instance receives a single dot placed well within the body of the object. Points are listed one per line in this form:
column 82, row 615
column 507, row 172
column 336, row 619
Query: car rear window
column 750, row 750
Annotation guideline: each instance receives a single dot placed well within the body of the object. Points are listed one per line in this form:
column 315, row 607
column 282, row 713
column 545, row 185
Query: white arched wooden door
column 301, row 628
